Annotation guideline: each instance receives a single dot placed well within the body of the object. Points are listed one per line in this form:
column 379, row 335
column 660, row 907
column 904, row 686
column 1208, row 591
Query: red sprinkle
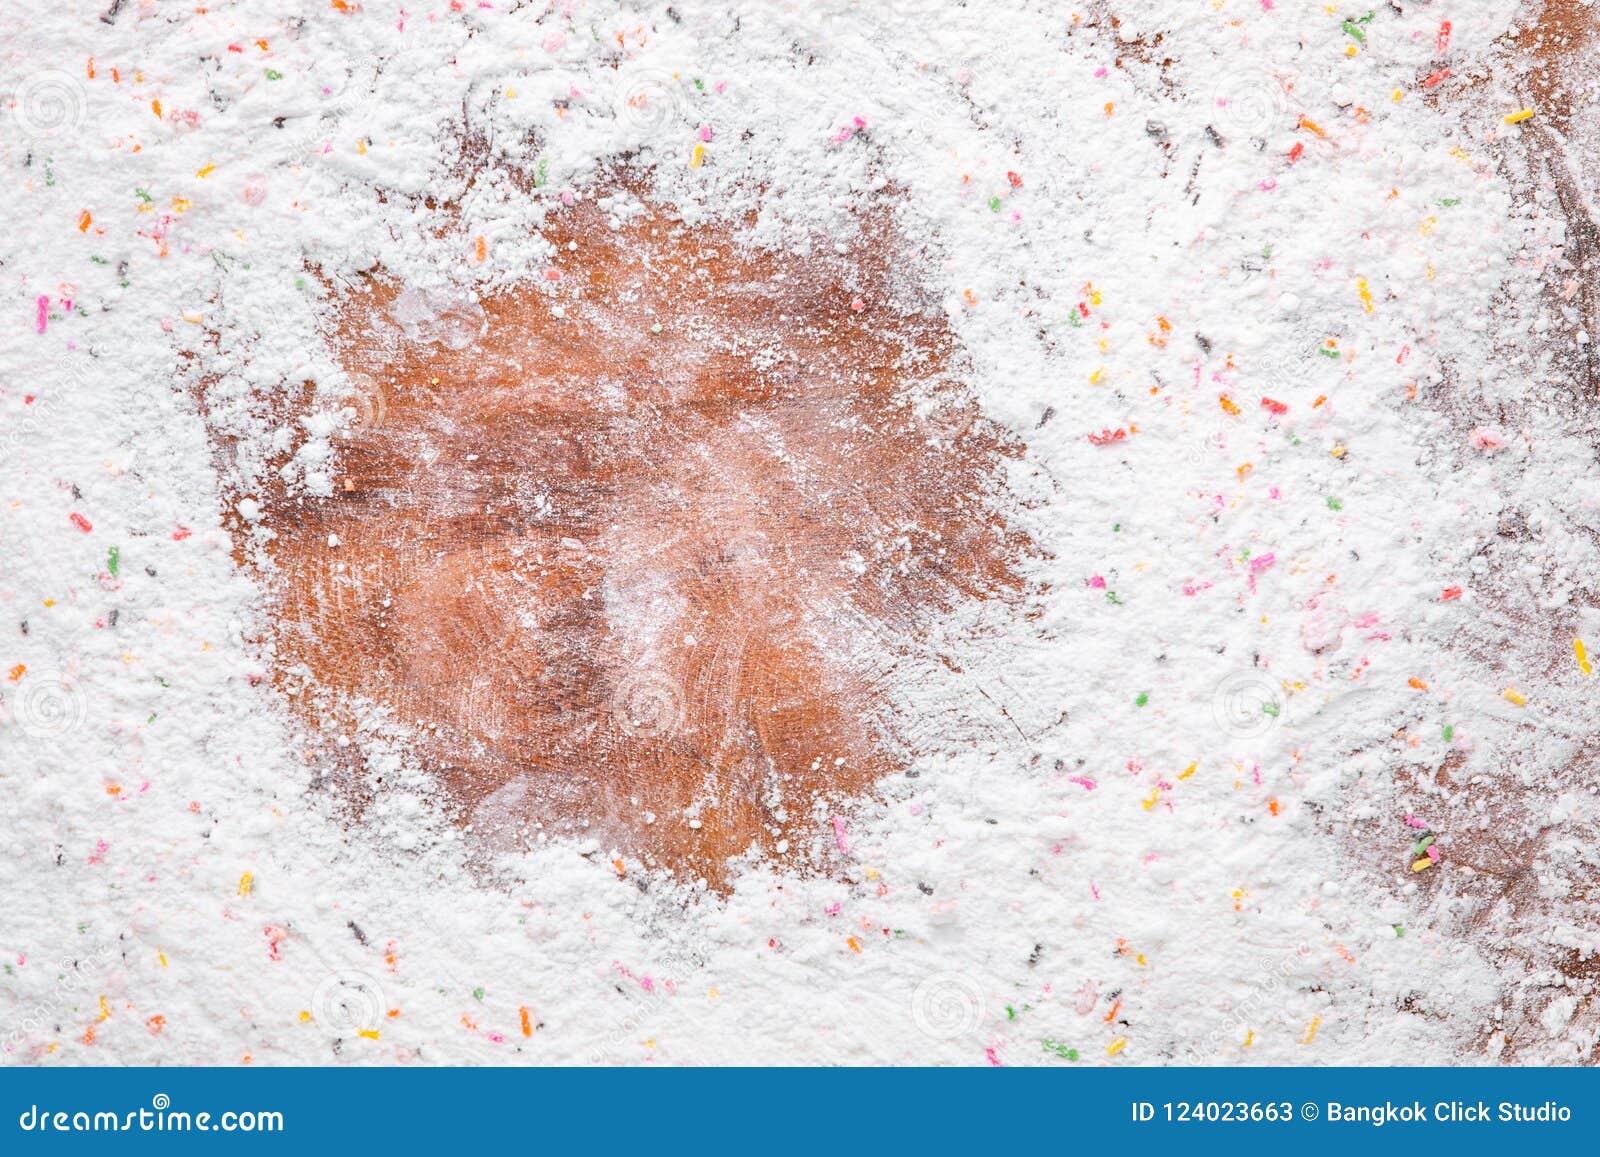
column 181, row 533
column 1436, row 79
column 1275, row 407
column 81, row 522
column 1015, row 179
column 1106, row 437
column 1450, row 593
column 1294, row 153
column 1444, row 38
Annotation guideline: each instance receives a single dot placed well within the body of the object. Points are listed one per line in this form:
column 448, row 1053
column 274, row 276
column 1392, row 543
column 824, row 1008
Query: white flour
column 1059, row 883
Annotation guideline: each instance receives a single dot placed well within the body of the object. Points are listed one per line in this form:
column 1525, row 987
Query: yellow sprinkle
column 1249, row 1039
column 1351, row 50
column 105, row 1009
column 511, row 94
column 1519, row 116
column 247, row 884
column 1338, row 451
column 181, row 204
column 369, row 1033
column 305, row 1017
column 1583, row 656
column 206, row 172
column 1366, row 295
column 1188, row 771
column 161, row 956
column 361, row 147
column 1095, row 377
column 1422, row 865
column 1397, row 96
column 1151, row 802
column 1311, row 1030
column 1515, row 696
column 697, row 156
column 1116, row 1046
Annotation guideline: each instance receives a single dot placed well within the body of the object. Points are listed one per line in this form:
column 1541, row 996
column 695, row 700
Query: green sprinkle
column 1449, row 732
column 1450, row 202
column 113, row 561
column 1073, row 318
column 1116, row 527
column 1011, row 1013
column 1144, row 697
column 700, row 84
column 274, row 74
column 1111, row 597
column 163, row 682
column 1421, row 846
column 477, row 994
column 1328, row 353
column 152, row 718
column 1060, row 1050
column 99, row 260
column 1350, row 27
column 144, row 196
column 656, row 328
column 299, row 282
column 1271, row 709
column 1266, row 251
column 1334, row 503
column 994, row 204
column 542, row 178
column 1399, row 931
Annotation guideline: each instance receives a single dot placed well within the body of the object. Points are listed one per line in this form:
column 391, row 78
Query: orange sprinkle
column 1274, row 806
column 155, row 1024
column 527, row 1022
column 1110, row 108
column 16, row 672
column 1418, row 684
column 91, row 68
column 482, row 248
column 1313, row 128
column 1116, row 1007
column 83, row 221
column 1320, row 399
column 88, row 1035
column 1228, row 404
column 972, row 298
column 855, row 945
column 155, row 107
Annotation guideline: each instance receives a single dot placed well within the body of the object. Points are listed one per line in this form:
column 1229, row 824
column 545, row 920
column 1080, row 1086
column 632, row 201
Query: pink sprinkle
column 705, row 132
column 1098, row 582
column 1433, row 852
column 44, row 312
column 1099, row 72
column 858, row 305
column 993, row 1060
column 1265, row 562
column 1083, row 781
column 1095, row 889
column 1481, row 437
column 1268, row 185
column 839, row 836
column 552, row 275
column 99, row 853
column 831, row 910
column 1413, row 821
